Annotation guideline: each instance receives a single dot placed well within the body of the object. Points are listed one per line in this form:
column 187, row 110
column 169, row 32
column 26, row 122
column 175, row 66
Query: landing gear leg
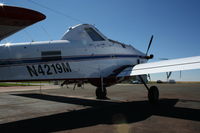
column 101, row 93
column 153, row 92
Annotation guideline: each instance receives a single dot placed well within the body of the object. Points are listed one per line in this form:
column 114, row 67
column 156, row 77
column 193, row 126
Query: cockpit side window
column 94, row 35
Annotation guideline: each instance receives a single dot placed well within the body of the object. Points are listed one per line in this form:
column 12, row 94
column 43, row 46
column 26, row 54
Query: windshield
column 94, row 35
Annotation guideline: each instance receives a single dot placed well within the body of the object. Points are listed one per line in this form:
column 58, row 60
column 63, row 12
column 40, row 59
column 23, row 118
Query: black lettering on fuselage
column 32, row 71
column 48, row 69
column 66, row 67
column 40, row 70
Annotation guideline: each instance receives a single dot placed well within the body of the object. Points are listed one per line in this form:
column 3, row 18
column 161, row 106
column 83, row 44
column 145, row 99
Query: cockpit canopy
column 86, row 34
column 83, row 32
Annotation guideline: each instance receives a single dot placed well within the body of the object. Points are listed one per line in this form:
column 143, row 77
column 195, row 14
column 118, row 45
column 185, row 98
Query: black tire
column 101, row 94
column 153, row 94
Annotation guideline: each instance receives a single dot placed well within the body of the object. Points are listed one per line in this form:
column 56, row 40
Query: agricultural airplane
column 83, row 53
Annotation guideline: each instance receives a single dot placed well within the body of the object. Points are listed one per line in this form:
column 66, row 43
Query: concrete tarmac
column 77, row 111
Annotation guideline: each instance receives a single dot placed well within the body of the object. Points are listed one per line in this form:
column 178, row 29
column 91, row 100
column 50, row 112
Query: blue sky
column 175, row 25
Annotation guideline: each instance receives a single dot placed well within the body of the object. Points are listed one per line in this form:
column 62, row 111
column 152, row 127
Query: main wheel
column 101, row 93
column 153, row 94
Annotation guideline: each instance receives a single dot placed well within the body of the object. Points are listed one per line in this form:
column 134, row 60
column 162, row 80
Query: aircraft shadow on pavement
column 100, row 112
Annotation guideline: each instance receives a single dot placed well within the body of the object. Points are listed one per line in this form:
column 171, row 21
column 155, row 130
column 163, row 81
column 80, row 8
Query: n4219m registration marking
column 48, row 69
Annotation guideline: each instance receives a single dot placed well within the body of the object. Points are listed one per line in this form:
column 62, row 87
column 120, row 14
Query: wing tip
column 20, row 13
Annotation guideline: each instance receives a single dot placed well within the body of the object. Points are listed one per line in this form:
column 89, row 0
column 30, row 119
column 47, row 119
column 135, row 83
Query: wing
column 13, row 19
column 163, row 66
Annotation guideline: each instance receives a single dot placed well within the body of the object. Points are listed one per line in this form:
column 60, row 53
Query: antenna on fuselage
column 45, row 31
column 56, row 11
column 29, row 35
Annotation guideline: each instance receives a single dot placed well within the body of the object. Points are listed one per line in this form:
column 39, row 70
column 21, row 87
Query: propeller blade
column 149, row 45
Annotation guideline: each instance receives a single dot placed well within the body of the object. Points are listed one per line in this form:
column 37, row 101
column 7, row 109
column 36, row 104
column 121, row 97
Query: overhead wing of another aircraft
column 163, row 66
column 13, row 19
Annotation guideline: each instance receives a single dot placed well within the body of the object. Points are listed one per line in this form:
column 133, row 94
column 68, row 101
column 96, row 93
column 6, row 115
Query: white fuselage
column 70, row 58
